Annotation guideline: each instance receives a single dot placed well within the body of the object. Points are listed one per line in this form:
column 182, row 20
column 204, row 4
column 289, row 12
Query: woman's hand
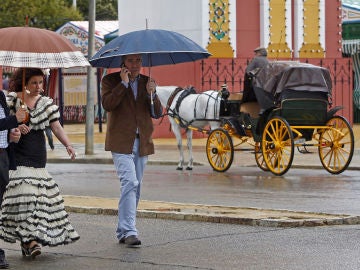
column 71, row 151
column 24, row 129
column 21, row 115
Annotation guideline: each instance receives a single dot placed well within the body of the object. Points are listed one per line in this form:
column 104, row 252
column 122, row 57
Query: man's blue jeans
column 130, row 170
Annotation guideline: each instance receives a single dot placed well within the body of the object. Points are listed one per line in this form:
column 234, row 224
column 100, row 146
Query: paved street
column 189, row 244
column 301, row 190
column 175, row 245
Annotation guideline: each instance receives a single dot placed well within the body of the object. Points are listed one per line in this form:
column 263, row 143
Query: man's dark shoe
column 122, row 240
column 3, row 263
column 132, row 241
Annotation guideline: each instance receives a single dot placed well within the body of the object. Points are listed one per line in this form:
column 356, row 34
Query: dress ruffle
column 33, row 209
column 41, row 116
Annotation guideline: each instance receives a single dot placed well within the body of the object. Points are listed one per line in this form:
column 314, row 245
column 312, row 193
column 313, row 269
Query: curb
column 91, row 160
column 210, row 213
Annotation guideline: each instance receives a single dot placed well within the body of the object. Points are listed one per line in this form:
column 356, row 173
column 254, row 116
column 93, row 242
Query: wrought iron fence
column 216, row 72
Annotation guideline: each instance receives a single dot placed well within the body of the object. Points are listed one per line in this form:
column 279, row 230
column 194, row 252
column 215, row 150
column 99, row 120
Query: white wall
column 188, row 17
column 183, row 16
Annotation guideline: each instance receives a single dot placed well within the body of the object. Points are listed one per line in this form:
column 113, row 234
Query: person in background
column 5, row 83
column 260, row 60
column 33, row 210
column 9, row 134
column 126, row 96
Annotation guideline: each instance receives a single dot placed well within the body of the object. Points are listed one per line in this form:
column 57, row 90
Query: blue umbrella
column 157, row 47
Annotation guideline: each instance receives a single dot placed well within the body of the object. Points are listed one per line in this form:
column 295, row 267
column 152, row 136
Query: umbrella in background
column 157, row 47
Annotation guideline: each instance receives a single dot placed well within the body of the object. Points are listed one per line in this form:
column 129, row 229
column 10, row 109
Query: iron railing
column 216, row 72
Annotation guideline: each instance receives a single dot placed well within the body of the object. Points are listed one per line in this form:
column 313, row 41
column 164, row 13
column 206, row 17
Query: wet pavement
column 193, row 245
column 175, row 236
column 166, row 153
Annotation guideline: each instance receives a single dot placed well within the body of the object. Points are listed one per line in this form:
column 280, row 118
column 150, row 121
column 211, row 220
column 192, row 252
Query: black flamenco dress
column 33, row 208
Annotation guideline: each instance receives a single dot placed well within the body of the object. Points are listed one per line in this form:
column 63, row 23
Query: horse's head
column 164, row 93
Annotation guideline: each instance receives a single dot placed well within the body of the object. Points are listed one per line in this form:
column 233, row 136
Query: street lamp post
column 91, row 84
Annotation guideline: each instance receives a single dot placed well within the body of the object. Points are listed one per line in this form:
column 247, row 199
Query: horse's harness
column 184, row 93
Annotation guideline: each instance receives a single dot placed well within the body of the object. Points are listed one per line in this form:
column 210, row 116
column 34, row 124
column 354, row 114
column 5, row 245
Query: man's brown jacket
column 125, row 115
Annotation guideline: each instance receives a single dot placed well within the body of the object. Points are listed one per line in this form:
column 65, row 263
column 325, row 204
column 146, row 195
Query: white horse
column 189, row 111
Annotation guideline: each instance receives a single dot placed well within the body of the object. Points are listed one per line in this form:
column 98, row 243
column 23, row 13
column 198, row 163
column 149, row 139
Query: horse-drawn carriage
column 291, row 111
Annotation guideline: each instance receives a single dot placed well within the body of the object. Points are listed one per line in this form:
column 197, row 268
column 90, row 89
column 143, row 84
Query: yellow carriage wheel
column 277, row 145
column 259, row 157
column 336, row 145
column 219, row 150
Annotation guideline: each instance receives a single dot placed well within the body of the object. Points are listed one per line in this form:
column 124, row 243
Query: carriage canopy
column 291, row 75
column 290, row 79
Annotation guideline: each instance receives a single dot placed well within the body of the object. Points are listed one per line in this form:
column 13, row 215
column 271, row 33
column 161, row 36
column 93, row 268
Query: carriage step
column 300, row 141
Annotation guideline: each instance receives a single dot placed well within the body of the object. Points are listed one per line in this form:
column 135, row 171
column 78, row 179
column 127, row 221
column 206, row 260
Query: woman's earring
column 27, row 91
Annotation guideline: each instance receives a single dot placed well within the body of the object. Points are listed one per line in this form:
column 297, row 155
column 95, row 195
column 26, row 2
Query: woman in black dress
column 33, row 210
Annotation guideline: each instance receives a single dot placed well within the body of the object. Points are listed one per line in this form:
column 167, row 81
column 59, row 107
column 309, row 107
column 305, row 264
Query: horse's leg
column 177, row 131
column 189, row 146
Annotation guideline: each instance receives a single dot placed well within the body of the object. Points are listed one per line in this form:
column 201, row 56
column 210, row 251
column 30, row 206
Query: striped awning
column 351, row 46
column 353, row 4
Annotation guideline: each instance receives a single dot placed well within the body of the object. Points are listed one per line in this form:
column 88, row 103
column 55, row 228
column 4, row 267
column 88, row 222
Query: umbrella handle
column 23, row 86
column 152, row 105
column 27, row 117
column 151, row 94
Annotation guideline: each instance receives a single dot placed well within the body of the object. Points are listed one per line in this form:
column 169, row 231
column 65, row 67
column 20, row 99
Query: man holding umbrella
column 128, row 97
column 130, row 100
column 8, row 133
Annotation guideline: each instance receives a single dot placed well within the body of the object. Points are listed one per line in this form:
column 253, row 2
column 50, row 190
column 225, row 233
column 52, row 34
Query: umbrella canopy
column 30, row 47
column 157, row 47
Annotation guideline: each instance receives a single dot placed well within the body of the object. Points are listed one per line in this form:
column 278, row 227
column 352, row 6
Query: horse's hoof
column 179, row 168
column 189, row 168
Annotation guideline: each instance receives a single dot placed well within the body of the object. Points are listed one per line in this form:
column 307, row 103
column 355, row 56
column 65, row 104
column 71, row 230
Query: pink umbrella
column 30, row 47
column 38, row 48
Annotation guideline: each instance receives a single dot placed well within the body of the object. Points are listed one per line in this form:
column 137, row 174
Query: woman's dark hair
column 15, row 83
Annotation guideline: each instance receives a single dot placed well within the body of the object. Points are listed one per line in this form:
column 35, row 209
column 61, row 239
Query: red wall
column 333, row 29
column 247, row 28
column 178, row 75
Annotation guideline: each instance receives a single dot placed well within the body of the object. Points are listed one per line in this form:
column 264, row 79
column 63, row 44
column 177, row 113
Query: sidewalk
column 166, row 153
